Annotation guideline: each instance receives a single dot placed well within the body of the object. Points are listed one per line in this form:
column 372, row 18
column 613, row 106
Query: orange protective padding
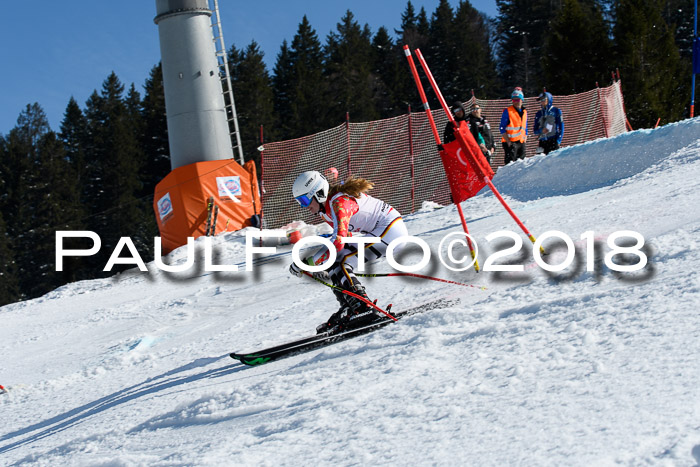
column 257, row 201
column 181, row 198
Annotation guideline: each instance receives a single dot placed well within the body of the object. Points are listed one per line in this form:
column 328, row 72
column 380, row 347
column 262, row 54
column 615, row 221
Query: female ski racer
column 347, row 208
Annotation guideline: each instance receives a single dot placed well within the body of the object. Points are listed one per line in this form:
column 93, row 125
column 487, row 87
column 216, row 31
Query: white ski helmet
column 309, row 185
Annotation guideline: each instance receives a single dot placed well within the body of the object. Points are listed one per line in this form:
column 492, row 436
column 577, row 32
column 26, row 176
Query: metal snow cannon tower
column 207, row 191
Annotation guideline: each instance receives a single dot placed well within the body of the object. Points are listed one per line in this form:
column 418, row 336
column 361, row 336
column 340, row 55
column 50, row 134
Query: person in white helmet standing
column 347, row 208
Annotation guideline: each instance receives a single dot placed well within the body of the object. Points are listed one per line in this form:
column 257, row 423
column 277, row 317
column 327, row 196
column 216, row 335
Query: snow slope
column 598, row 369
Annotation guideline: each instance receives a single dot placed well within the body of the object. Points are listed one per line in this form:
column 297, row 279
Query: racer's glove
column 297, row 271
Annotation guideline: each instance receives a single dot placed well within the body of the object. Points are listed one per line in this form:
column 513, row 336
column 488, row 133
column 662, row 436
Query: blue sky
column 54, row 50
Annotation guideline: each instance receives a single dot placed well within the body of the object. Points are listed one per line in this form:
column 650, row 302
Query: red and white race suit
column 365, row 214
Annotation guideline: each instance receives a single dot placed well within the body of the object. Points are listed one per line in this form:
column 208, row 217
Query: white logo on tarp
column 165, row 207
column 229, row 187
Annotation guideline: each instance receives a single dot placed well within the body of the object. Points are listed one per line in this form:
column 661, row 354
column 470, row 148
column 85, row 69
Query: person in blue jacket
column 549, row 125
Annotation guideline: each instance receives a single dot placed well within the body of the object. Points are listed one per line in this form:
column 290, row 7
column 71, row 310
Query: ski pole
column 463, row 143
column 436, row 135
column 347, row 292
column 420, row 276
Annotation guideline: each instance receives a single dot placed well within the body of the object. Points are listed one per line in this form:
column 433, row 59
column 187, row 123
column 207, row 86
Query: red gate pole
column 463, row 144
column 426, row 106
column 421, row 92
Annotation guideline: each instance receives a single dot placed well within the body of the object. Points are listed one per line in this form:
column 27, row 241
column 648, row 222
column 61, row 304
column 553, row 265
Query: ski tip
column 250, row 359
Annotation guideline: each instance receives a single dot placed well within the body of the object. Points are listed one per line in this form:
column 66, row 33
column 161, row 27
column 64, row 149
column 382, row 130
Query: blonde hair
column 353, row 187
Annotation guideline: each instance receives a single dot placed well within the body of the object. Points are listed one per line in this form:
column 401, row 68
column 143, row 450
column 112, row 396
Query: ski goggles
column 304, row 200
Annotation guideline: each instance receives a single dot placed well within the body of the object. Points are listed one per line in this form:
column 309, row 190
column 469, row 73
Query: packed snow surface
column 579, row 367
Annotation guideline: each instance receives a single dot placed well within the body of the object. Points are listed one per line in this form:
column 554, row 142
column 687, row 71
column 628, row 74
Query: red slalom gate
column 460, row 138
column 436, row 134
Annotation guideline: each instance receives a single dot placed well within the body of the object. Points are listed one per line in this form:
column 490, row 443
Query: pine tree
column 679, row 15
column 422, row 24
column 141, row 215
column 578, row 27
column 14, row 167
column 73, row 133
column 391, row 76
column 649, row 62
column 441, row 53
column 252, row 88
column 408, row 25
column 32, row 125
column 133, row 108
column 90, row 195
column 283, row 88
column 56, row 207
column 8, row 279
column 522, row 25
column 475, row 67
column 415, row 28
column 22, row 206
column 41, row 200
column 9, row 291
column 308, row 101
column 607, row 8
column 348, row 69
column 155, row 131
column 5, row 174
column 113, row 171
column 414, row 32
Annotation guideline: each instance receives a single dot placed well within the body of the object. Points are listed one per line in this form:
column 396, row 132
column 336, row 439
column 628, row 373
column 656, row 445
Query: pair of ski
column 327, row 338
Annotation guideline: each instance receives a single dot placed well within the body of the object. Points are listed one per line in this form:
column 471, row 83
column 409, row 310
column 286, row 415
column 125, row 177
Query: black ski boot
column 361, row 313
column 336, row 317
column 353, row 312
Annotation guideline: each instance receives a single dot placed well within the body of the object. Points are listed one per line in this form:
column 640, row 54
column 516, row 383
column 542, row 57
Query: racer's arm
column 342, row 209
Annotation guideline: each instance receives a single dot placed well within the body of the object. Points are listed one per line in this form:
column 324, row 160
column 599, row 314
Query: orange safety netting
column 400, row 154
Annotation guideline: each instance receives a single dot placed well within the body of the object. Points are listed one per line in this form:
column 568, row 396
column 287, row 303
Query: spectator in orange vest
column 514, row 128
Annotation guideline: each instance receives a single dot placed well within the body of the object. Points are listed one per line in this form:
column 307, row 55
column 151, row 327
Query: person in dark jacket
column 549, row 125
column 481, row 128
column 460, row 116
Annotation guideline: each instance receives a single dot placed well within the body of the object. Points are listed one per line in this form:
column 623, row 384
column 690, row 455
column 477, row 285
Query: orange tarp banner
column 181, row 198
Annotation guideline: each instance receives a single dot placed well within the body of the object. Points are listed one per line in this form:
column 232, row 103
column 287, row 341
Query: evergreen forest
column 98, row 170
